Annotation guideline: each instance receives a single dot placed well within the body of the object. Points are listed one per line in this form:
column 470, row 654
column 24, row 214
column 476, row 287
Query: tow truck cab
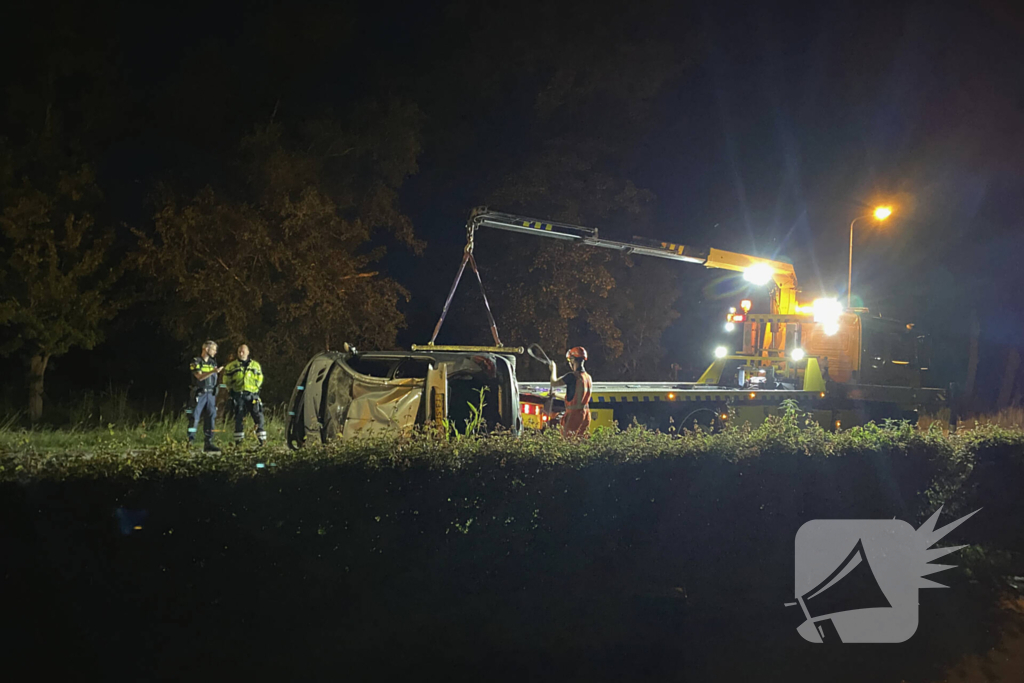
column 342, row 394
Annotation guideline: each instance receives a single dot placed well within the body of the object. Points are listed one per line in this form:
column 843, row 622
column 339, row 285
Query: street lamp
column 879, row 214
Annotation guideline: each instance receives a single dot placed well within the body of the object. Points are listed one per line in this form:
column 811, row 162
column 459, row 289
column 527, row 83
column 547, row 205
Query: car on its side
column 343, row 394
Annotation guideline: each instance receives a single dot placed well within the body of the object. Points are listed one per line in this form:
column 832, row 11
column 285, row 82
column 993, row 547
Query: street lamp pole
column 879, row 214
column 849, row 276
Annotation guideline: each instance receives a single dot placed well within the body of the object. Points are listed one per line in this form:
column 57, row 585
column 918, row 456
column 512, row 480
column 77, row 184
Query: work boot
column 261, row 438
column 210, row 447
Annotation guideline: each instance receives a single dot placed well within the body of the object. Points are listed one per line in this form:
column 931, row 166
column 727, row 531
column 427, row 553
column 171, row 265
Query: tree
column 568, row 294
column 575, row 85
column 643, row 309
column 56, row 279
column 284, row 257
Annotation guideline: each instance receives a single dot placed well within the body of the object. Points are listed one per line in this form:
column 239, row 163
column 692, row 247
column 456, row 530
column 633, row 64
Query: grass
column 132, row 434
column 1007, row 418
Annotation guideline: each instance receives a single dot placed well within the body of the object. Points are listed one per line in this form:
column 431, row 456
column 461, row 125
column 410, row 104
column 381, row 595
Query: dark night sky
column 789, row 120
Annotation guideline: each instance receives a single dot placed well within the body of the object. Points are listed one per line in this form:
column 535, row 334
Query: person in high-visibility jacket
column 244, row 378
column 576, row 421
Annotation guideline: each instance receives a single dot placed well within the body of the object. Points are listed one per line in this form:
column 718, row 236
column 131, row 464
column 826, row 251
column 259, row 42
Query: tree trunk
column 35, row 386
column 1009, row 375
column 972, row 362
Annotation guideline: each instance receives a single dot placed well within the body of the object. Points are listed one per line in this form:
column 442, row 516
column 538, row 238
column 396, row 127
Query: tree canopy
column 284, row 256
column 56, row 276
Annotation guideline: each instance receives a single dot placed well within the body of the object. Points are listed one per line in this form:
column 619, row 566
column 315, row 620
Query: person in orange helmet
column 578, row 384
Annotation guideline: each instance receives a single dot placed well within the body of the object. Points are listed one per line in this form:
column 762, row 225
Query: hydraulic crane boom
column 755, row 268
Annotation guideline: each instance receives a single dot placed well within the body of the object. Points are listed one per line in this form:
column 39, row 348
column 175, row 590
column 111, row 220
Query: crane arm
column 781, row 273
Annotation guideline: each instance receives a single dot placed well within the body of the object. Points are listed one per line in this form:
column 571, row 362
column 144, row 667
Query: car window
column 375, row 367
column 412, row 368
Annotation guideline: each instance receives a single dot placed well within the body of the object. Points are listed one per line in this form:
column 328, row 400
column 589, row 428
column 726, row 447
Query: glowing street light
column 880, row 214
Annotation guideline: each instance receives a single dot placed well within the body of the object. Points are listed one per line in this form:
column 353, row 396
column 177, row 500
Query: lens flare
column 758, row 274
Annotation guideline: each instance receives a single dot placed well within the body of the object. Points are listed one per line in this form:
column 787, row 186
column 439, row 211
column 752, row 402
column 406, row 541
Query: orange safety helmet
column 577, row 352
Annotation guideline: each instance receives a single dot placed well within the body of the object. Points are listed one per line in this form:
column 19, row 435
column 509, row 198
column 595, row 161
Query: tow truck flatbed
column 639, row 392
column 662, row 405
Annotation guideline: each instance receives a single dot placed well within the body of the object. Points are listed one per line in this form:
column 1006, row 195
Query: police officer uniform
column 244, row 379
column 204, row 400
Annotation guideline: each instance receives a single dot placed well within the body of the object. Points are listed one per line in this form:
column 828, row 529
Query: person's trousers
column 203, row 406
column 576, row 423
column 248, row 404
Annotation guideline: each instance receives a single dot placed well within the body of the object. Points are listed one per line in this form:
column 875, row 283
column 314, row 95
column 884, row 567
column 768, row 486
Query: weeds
column 1010, row 418
column 474, row 423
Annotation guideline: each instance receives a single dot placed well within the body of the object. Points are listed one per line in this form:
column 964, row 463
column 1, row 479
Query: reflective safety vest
column 247, row 377
column 581, row 396
column 208, row 385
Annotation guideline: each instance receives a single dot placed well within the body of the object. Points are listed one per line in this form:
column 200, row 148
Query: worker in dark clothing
column 578, row 384
column 244, row 377
column 204, row 394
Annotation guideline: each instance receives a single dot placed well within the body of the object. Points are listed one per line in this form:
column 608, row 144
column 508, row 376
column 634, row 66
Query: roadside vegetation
column 153, row 446
column 109, row 422
column 1009, row 418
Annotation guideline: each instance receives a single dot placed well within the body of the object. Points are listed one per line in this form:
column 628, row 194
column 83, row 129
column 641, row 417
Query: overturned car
column 343, row 394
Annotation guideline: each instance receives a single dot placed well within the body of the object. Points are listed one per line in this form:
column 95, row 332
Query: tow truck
column 842, row 365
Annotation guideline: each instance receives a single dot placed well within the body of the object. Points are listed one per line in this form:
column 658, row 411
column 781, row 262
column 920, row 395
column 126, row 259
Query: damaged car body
column 344, row 394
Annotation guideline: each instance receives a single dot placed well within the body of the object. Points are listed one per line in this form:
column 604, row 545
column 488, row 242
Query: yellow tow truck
column 843, row 365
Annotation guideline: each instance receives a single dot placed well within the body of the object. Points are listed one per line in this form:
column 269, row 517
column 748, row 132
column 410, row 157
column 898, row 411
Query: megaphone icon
column 858, row 601
column 851, row 586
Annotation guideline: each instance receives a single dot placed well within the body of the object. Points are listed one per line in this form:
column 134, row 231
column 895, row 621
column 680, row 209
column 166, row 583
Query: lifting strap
column 537, row 353
column 467, row 257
